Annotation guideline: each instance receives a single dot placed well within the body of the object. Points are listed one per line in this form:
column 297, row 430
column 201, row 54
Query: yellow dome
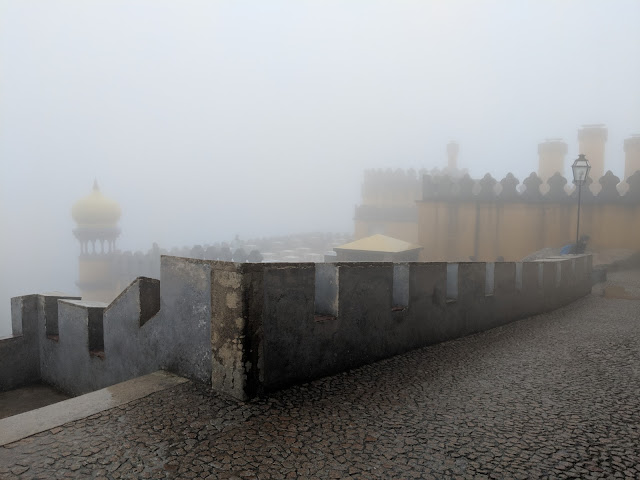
column 96, row 210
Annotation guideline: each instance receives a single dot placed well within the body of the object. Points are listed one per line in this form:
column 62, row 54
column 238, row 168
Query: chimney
column 631, row 156
column 551, row 154
column 591, row 140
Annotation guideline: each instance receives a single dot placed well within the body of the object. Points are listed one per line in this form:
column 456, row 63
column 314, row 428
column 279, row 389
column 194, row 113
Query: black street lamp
column 580, row 169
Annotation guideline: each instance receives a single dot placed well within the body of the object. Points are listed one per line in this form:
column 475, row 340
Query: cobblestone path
column 553, row 396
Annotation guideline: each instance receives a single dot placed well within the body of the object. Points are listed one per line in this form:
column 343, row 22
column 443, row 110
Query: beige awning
column 379, row 243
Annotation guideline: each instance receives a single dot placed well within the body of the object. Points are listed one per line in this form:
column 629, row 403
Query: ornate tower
column 592, row 139
column 97, row 230
column 631, row 155
column 551, row 154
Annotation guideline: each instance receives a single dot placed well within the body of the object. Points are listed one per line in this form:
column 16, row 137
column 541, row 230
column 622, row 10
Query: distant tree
column 255, row 256
column 197, row 252
column 212, row 253
column 240, row 256
column 225, row 254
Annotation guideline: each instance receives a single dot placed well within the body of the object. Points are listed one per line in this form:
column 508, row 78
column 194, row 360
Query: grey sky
column 207, row 119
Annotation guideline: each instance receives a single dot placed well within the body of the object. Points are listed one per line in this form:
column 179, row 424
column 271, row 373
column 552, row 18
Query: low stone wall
column 295, row 322
column 252, row 328
column 79, row 346
column 32, row 319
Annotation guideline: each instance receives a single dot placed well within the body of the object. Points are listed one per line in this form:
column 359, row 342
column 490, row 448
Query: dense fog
column 207, row 120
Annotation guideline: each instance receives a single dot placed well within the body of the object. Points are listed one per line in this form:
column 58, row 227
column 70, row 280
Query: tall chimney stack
column 631, row 156
column 551, row 154
column 591, row 140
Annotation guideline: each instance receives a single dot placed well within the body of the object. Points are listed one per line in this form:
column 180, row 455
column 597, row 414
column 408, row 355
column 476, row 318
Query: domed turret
column 97, row 230
column 97, row 218
column 95, row 210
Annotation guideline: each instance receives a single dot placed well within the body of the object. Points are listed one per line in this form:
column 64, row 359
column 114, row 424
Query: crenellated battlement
column 399, row 187
column 556, row 189
column 250, row 328
column 308, row 321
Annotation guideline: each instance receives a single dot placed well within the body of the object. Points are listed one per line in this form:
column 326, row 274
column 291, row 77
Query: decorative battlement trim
column 488, row 189
column 388, row 176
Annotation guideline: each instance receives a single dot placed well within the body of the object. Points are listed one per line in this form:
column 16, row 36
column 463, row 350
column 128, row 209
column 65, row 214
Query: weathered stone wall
column 95, row 345
column 34, row 319
column 19, row 360
column 302, row 330
column 253, row 328
column 185, row 314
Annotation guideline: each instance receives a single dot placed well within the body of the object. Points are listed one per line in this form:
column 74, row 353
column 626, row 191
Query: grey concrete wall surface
column 185, row 312
column 253, row 328
column 80, row 346
column 67, row 363
column 132, row 347
column 20, row 354
column 84, row 356
column 100, row 345
column 292, row 339
column 19, row 363
column 295, row 340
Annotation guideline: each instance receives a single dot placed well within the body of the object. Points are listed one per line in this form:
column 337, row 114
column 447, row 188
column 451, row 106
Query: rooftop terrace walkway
column 553, row 396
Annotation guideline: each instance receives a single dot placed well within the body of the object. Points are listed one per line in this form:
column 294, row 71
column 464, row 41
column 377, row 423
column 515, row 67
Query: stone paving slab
column 553, row 396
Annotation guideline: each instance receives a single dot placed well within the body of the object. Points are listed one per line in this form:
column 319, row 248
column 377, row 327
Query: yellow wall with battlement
column 458, row 230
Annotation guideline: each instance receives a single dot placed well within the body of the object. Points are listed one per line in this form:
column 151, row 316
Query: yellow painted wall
column 456, row 231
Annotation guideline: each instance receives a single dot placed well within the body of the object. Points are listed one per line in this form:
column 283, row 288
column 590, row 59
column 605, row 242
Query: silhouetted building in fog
column 458, row 218
column 389, row 199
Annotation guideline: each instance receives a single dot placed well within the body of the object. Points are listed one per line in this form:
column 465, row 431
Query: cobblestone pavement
column 553, row 396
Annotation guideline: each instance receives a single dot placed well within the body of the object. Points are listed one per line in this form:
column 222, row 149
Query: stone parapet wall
column 96, row 345
column 247, row 329
column 308, row 322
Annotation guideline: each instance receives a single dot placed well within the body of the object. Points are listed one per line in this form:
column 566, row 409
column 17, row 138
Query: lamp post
column 580, row 169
